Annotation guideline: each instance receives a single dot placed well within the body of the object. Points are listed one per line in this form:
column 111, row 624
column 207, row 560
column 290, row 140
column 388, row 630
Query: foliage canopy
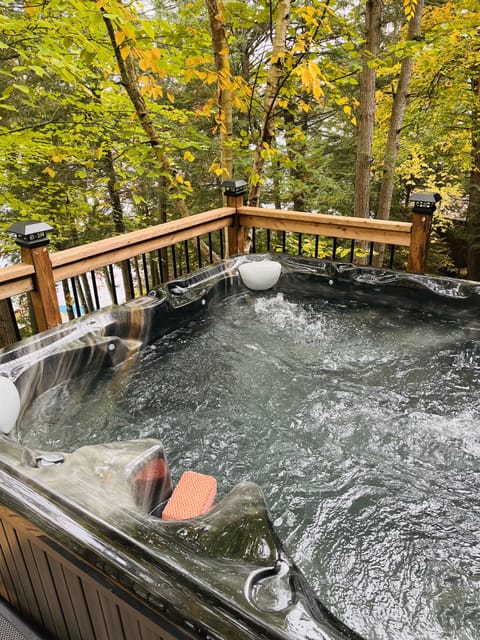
column 75, row 151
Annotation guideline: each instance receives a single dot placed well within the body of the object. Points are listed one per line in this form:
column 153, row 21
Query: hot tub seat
column 230, row 554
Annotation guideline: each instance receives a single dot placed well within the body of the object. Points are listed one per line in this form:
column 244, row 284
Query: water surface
column 360, row 425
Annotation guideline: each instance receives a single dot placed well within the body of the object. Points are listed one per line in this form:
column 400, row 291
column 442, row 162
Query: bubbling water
column 360, row 424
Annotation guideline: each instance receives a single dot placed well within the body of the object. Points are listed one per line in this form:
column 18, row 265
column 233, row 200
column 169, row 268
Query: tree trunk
column 274, row 77
column 130, row 82
column 117, row 209
column 162, row 210
column 473, row 210
column 395, row 127
column 366, row 110
column 114, row 193
column 396, row 120
column 79, row 282
column 224, row 96
column 297, row 149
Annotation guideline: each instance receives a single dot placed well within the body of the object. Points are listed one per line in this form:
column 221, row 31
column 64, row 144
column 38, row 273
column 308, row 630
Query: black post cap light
column 424, row 201
column 234, row 187
column 30, row 233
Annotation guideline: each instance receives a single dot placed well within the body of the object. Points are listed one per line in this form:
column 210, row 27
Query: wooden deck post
column 32, row 240
column 234, row 192
column 419, row 241
column 424, row 204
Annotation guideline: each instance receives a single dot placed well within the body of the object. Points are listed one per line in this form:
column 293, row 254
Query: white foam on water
column 291, row 317
column 460, row 430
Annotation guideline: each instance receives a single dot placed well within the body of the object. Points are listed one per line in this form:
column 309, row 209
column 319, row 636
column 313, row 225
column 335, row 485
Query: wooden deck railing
column 40, row 270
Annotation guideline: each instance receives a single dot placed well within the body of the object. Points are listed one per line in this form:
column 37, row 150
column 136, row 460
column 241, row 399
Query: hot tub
column 83, row 551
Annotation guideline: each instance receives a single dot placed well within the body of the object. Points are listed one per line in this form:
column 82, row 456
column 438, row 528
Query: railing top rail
column 370, row 230
column 341, row 221
column 16, row 279
column 16, row 272
column 77, row 260
column 134, row 238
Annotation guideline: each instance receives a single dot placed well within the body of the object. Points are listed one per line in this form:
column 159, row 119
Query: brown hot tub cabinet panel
column 64, row 596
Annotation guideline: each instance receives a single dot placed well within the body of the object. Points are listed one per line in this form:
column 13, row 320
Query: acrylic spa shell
column 81, row 559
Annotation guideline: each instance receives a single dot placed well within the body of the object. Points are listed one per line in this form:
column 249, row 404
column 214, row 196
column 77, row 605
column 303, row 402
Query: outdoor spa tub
column 347, row 492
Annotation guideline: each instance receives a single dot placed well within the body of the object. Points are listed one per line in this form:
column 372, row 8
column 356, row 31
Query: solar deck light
column 424, row 201
column 234, row 187
column 30, row 233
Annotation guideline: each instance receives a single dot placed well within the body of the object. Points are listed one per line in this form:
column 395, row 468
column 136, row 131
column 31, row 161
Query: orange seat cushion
column 194, row 494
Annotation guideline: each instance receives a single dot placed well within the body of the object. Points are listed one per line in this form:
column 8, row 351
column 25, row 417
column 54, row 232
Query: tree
column 439, row 126
column 366, row 109
column 399, row 104
column 400, row 97
column 273, row 79
column 224, row 86
column 473, row 211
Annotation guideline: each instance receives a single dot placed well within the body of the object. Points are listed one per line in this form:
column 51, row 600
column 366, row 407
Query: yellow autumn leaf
column 49, row 171
column 125, row 51
column 145, row 63
column 275, row 58
column 99, row 153
column 170, row 97
column 409, row 7
column 57, row 157
column 156, row 91
column 188, row 156
column 211, row 77
column 119, row 37
column 179, row 178
column 311, row 79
